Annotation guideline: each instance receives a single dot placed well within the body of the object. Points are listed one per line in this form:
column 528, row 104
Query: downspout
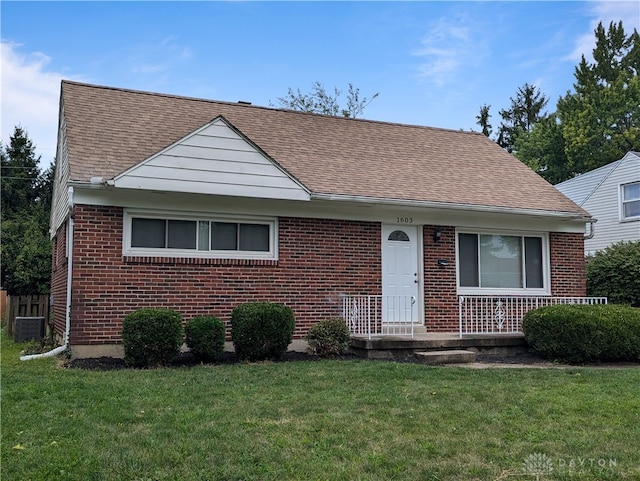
column 592, row 229
column 67, row 329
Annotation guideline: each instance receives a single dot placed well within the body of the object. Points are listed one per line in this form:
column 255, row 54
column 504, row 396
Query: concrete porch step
column 404, row 329
column 452, row 356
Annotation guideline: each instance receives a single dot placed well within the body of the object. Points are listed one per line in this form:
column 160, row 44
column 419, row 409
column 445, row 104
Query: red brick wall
column 318, row 260
column 440, row 299
column 568, row 275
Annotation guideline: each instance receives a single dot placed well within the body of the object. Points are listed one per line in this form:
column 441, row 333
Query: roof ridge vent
column 244, row 102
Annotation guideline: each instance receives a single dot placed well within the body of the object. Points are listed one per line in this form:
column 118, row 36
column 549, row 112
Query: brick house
column 197, row 205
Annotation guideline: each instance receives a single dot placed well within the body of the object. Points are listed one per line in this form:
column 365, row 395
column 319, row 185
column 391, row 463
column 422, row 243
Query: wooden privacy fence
column 27, row 306
column 4, row 312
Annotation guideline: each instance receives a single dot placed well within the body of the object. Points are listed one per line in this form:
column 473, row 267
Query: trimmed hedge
column 261, row 330
column 151, row 337
column 583, row 333
column 204, row 336
column 329, row 337
column 615, row 273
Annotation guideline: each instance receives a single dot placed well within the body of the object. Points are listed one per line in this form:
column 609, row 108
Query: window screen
column 148, row 233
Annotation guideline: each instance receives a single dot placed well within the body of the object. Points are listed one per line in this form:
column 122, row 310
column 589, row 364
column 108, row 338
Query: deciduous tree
column 319, row 101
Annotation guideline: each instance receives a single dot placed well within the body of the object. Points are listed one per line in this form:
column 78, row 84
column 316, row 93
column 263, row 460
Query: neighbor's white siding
column 213, row 160
column 604, row 205
column 582, row 186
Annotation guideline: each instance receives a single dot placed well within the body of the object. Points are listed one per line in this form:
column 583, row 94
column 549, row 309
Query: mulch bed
column 186, row 359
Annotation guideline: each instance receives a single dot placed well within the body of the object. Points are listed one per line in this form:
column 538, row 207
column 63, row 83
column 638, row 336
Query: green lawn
column 326, row 420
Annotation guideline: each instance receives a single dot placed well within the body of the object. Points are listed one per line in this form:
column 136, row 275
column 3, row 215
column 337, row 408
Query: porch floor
column 397, row 347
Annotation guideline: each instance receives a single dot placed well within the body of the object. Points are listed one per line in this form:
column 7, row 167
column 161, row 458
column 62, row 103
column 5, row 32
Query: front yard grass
column 324, row 420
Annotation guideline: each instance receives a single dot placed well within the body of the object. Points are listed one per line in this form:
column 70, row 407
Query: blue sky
column 433, row 63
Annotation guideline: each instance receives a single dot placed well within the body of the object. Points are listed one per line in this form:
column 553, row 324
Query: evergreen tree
column 482, row 119
column 525, row 111
column 26, row 193
column 597, row 123
column 19, row 173
column 601, row 119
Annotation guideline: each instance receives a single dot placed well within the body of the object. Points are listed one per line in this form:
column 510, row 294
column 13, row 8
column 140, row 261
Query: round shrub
column 151, row 337
column 583, row 333
column 261, row 330
column 205, row 337
column 615, row 273
column 329, row 337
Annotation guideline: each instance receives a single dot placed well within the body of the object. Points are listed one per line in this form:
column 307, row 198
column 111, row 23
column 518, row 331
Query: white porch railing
column 503, row 314
column 380, row 315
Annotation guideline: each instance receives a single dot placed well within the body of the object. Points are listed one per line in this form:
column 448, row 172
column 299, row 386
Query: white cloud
column 449, row 46
column 30, row 95
column 159, row 57
column 605, row 11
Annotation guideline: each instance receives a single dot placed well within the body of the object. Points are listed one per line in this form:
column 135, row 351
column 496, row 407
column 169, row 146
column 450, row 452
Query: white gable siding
column 582, row 186
column 213, row 160
column 60, row 201
column 604, row 205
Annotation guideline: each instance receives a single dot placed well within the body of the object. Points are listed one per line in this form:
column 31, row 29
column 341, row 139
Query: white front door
column 400, row 274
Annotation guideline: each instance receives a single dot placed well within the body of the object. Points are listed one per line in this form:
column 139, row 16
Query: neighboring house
column 611, row 194
column 198, row 206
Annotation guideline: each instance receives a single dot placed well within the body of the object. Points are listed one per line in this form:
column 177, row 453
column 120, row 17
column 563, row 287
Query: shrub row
column 204, row 336
column 261, row 330
column 614, row 272
column 583, row 333
column 153, row 337
column 329, row 337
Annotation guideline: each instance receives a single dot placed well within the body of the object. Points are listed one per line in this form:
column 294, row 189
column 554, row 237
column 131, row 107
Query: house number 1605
column 404, row 220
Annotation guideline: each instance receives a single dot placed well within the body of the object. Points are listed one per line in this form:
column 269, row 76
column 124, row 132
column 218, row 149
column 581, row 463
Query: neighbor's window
column 630, row 198
column 501, row 261
column 211, row 237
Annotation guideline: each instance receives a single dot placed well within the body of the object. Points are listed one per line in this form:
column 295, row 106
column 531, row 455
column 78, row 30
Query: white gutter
column 67, row 330
column 449, row 205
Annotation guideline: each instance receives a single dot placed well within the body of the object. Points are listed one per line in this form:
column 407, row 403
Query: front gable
column 215, row 159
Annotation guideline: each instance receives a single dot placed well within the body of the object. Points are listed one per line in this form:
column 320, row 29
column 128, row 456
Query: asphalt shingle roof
column 110, row 130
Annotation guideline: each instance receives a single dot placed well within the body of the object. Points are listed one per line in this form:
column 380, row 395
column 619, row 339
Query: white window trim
column 621, row 202
column 481, row 291
column 127, row 250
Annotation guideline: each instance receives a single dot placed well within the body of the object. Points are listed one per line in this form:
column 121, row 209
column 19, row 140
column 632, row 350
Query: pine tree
column 19, row 173
column 26, row 202
column 601, row 119
column 525, row 111
column 482, row 119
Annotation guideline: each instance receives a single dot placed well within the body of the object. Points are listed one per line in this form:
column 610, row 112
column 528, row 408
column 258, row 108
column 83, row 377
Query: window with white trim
column 504, row 262
column 630, row 201
column 148, row 234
